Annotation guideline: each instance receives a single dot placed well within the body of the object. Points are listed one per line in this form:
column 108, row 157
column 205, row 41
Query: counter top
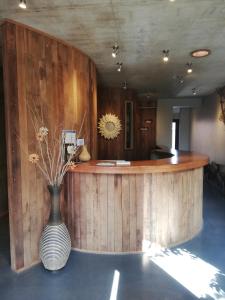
column 180, row 161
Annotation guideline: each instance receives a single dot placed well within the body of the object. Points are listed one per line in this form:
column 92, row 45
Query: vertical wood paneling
column 83, row 211
column 111, row 213
column 126, row 212
column 13, row 148
column 77, row 199
column 133, row 212
column 118, row 236
column 123, row 213
column 64, row 81
column 3, row 165
column 102, row 182
column 140, row 210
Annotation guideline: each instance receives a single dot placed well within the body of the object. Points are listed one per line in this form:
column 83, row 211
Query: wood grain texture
column 126, row 212
column 181, row 161
column 3, row 166
column 64, row 81
column 112, row 100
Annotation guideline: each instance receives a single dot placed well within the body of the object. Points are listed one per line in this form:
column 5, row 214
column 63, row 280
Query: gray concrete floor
column 89, row 276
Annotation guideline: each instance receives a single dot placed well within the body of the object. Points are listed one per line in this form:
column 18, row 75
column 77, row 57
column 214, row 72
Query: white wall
column 165, row 116
column 184, row 133
column 207, row 131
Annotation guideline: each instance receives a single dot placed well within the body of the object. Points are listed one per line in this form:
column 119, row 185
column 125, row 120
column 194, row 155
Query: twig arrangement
column 221, row 93
column 50, row 155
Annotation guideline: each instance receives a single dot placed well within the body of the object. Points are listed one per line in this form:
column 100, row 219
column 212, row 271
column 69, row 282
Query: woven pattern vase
column 55, row 243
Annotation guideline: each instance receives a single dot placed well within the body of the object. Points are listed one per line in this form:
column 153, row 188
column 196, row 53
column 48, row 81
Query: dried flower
column 49, row 158
column 33, row 158
column 40, row 137
column 43, row 131
column 71, row 150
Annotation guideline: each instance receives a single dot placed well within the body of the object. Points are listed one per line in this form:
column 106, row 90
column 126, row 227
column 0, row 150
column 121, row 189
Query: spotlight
column 194, row 91
column 172, row 0
column 180, row 79
column 23, row 4
column 119, row 66
column 189, row 68
column 124, row 85
column 166, row 55
column 115, row 50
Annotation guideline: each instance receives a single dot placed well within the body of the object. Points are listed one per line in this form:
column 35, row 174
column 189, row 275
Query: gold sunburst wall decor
column 109, row 126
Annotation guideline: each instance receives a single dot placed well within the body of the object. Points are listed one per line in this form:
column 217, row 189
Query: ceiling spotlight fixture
column 115, row 50
column 124, row 85
column 199, row 53
column 194, row 91
column 166, row 55
column 189, row 68
column 119, row 66
column 172, row 0
column 180, row 79
column 23, row 4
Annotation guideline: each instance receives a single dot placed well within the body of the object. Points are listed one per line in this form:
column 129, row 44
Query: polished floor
column 194, row 270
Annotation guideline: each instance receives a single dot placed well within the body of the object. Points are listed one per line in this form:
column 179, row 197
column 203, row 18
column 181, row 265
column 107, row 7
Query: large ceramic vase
column 55, row 243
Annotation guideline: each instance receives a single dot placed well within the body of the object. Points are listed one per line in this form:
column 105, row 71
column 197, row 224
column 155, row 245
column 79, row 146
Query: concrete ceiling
column 142, row 28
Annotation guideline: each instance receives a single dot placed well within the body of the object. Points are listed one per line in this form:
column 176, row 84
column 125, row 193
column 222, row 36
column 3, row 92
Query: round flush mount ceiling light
column 199, row 53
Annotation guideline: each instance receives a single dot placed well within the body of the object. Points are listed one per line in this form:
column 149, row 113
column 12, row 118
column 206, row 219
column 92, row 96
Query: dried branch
column 49, row 158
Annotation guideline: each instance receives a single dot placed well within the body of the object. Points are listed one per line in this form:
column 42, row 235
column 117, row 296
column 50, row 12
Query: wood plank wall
column 3, row 166
column 112, row 100
column 64, row 80
column 117, row 213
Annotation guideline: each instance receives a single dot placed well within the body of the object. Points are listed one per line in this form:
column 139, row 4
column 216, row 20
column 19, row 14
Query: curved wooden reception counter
column 123, row 208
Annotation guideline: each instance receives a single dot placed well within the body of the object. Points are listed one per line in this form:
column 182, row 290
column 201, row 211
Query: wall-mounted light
column 124, row 85
column 23, row 4
column 172, row 0
column 119, row 66
column 166, row 55
column 189, row 68
column 115, row 50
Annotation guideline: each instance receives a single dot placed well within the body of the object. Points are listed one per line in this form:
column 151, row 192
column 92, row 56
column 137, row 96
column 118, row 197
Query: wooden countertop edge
column 181, row 161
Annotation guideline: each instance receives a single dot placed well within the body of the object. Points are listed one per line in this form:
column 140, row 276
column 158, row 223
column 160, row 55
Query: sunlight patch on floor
column 115, row 285
column 199, row 277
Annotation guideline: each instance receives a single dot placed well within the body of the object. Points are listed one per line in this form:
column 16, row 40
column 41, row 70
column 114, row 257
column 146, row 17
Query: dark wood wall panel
column 63, row 79
column 3, row 166
column 112, row 100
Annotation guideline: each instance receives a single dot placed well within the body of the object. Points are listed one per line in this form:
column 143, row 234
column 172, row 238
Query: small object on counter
column 122, row 163
column 84, row 155
column 105, row 164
